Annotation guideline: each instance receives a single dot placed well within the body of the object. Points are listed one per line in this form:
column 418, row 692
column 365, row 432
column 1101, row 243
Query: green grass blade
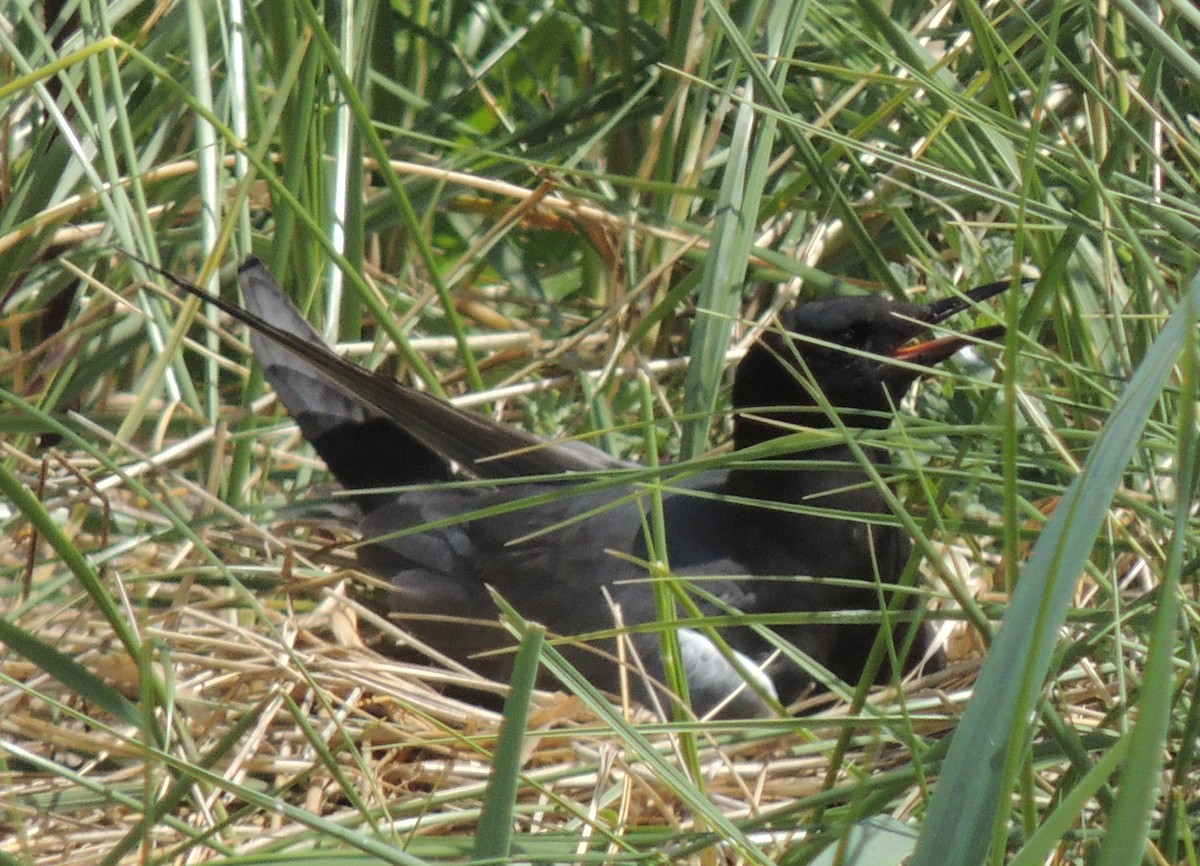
column 494, row 838
column 70, row 673
column 970, row 798
column 35, row 512
column 1141, row 778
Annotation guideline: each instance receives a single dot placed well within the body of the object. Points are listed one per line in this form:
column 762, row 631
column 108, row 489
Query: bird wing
column 484, row 448
column 555, row 560
column 296, row 358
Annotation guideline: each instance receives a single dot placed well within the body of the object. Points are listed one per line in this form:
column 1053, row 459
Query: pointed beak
column 930, row 352
column 944, row 308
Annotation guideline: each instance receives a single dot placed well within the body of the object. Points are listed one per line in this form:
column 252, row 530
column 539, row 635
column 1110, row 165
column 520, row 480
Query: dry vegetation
column 566, row 217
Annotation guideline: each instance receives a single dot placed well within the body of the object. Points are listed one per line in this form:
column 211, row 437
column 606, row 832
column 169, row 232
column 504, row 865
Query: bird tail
column 372, row 431
column 362, row 449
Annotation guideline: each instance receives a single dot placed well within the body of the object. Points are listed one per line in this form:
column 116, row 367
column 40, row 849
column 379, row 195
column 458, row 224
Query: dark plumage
column 755, row 531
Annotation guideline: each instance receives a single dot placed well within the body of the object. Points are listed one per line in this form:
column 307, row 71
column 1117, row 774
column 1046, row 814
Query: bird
column 453, row 506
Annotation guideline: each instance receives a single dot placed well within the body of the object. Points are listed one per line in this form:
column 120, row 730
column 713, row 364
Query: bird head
column 858, row 351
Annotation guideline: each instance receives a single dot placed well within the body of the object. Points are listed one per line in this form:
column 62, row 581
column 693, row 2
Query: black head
column 768, row 383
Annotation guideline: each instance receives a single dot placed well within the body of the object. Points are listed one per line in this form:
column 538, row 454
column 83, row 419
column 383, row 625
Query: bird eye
column 852, row 335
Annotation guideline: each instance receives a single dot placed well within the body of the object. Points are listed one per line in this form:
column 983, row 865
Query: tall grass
column 527, row 206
